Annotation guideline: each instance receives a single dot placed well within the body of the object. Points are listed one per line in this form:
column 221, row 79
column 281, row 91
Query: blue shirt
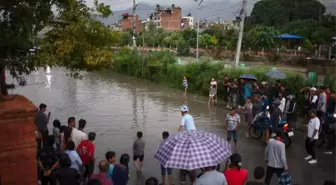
column 247, row 88
column 188, row 122
column 76, row 162
column 110, row 172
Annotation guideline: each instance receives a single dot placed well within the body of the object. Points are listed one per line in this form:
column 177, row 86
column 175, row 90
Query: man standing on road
column 41, row 121
column 187, row 122
column 312, row 136
column 275, row 157
column 231, row 124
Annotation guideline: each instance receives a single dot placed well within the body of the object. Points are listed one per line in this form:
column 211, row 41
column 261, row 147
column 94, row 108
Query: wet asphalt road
column 116, row 107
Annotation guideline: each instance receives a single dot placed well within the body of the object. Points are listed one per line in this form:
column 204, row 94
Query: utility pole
column 143, row 50
column 241, row 31
column 197, row 40
column 134, row 23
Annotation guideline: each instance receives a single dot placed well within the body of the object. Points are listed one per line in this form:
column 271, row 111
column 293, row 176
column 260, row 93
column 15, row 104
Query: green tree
column 261, row 37
column 77, row 41
column 205, row 40
column 20, row 22
column 126, row 38
column 190, row 36
column 279, row 12
column 154, row 36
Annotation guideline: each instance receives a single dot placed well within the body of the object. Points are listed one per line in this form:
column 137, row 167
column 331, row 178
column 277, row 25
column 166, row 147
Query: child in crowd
column 248, row 114
column 56, row 133
column 111, row 158
column 138, row 151
column 259, row 174
column 165, row 135
column 152, row 181
column 121, row 171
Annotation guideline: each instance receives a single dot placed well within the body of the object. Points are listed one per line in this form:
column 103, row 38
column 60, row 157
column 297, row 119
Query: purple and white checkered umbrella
column 192, row 150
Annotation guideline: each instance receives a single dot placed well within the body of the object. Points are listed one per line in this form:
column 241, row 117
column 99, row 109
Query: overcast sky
column 124, row 4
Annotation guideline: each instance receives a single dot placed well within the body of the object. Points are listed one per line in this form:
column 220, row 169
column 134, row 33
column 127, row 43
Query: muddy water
column 116, row 107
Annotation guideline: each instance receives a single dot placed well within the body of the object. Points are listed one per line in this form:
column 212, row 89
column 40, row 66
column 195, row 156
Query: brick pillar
column 18, row 143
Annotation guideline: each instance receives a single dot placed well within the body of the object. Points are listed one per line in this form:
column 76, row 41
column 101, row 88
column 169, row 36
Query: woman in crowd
column 235, row 175
column 248, row 114
column 56, row 133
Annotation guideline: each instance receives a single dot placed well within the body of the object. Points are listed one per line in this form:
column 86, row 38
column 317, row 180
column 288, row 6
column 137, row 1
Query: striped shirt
column 185, row 83
column 232, row 121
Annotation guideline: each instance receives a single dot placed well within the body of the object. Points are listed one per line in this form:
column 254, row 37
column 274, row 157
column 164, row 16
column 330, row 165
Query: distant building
column 187, row 22
column 127, row 22
column 168, row 18
column 115, row 26
column 227, row 24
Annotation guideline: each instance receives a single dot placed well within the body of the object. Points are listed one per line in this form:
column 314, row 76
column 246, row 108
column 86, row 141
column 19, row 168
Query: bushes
column 160, row 67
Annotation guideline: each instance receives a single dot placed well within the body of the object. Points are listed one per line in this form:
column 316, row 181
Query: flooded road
column 116, row 107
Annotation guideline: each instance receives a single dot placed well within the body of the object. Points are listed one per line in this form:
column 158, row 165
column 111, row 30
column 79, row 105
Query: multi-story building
column 168, row 18
column 127, row 22
column 187, row 22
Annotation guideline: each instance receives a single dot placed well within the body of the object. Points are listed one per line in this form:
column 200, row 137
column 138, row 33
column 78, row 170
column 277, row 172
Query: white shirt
column 77, row 136
column 282, row 105
column 188, row 122
column 211, row 178
column 314, row 98
column 314, row 124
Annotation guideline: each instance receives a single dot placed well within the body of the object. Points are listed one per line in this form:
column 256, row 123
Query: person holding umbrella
column 189, row 151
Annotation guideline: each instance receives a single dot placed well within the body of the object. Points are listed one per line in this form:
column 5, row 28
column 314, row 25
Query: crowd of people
column 67, row 155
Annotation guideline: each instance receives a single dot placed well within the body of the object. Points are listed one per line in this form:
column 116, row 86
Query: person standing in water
column 212, row 91
column 185, row 84
column 187, row 122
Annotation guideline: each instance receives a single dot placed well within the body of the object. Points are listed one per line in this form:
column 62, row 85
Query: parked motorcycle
column 262, row 121
column 327, row 124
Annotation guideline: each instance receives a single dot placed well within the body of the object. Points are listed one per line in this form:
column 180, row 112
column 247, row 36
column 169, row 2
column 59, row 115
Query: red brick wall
column 171, row 22
column 127, row 24
column 18, row 143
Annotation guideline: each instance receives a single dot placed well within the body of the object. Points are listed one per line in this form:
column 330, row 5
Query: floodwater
column 116, row 107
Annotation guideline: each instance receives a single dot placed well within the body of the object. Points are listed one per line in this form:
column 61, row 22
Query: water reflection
column 48, row 86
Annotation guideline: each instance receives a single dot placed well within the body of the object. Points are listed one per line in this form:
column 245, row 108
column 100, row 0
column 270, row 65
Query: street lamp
column 197, row 40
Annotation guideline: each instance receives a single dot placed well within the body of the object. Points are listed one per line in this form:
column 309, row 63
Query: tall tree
column 76, row 40
column 280, row 12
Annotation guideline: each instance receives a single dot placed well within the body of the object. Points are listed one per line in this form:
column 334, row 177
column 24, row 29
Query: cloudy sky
column 124, row 4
